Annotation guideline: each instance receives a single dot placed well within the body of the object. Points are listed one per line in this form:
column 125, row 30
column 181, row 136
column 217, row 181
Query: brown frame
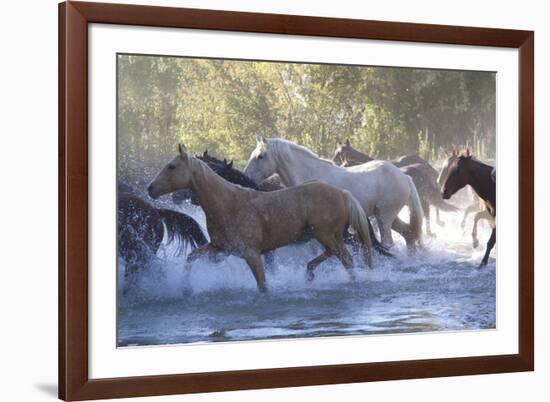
column 74, row 17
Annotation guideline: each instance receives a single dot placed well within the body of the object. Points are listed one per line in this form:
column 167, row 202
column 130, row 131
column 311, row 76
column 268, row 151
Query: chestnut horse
column 248, row 223
column 465, row 170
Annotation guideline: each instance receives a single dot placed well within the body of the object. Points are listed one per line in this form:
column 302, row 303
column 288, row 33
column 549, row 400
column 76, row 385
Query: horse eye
column 171, row 167
column 260, row 156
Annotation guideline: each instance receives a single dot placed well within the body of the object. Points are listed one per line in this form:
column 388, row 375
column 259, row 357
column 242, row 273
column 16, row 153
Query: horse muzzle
column 153, row 193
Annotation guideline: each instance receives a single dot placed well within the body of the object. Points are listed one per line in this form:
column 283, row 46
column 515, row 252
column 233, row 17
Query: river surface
column 437, row 289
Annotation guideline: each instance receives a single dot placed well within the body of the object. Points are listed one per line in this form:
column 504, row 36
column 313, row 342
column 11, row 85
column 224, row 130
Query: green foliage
column 220, row 105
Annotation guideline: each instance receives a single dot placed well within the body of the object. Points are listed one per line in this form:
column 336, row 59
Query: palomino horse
column 476, row 206
column 466, row 170
column 247, row 223
column 141, row 230
column 380, row 187
column 423, row 174
column 226, row 170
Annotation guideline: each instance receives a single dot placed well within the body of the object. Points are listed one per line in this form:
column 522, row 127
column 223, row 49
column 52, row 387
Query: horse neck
column 479, row 175
column 213, row 192
column 299, row 167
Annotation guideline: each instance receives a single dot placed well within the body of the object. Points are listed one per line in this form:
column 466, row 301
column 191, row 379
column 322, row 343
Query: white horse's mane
column 282, row 148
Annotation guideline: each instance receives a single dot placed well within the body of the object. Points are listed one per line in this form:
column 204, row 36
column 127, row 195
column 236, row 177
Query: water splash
column 438, row 288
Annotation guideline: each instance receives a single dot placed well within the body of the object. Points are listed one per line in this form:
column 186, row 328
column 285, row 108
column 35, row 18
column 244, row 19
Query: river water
column 437, row 289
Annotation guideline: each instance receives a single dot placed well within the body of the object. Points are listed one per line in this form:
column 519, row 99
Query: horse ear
column 468, row 154
column 183, row 152
column 348, row 143
column 260, row 139
column 205, row 153
column 230, row 164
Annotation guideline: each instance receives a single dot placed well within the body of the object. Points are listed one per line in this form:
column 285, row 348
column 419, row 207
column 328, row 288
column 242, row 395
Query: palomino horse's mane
column 198, row 167
column 282, row 148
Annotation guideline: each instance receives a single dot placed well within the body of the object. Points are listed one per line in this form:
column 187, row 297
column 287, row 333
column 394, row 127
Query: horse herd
column 287, row 194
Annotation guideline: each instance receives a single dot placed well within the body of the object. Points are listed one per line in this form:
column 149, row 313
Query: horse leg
column 345, row 258
column 254, row 261
column 490, row 245
column 200, row 251
column 472, row 208
column 385, row 231
column 404, row 230
column 333, row 246
column 478, row 216
column 315, row 263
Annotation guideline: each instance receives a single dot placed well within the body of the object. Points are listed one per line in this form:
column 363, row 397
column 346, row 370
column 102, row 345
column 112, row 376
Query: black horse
column 141, row 230
column 226, row 170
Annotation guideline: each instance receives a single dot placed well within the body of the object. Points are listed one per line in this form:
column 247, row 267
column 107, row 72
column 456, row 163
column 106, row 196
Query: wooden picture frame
column 74, row 381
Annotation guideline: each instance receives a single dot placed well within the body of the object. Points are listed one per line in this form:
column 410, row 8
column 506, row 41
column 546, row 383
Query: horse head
column 342, row 153
column 457, row 174
column 261, row 163
column 176, row 175
column 444, row 171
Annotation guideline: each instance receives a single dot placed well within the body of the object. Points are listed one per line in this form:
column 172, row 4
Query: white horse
column 380, row 187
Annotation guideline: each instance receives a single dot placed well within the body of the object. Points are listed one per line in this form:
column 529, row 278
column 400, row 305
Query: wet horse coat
column 248, row 223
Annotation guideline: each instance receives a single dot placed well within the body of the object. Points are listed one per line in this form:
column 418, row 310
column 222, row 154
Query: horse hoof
column 310, row 276
column 262, row 289
column 475, row 243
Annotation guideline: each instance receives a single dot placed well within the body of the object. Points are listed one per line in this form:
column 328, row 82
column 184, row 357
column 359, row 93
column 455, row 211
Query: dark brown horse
column 423, row 174
column 346, row 155
column 466, row 170
column 477, row 206
column 141, row 231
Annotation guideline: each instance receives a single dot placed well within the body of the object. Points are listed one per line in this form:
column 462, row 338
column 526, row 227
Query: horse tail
column 360, row 223
column 416, row 212
column 183, row 229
